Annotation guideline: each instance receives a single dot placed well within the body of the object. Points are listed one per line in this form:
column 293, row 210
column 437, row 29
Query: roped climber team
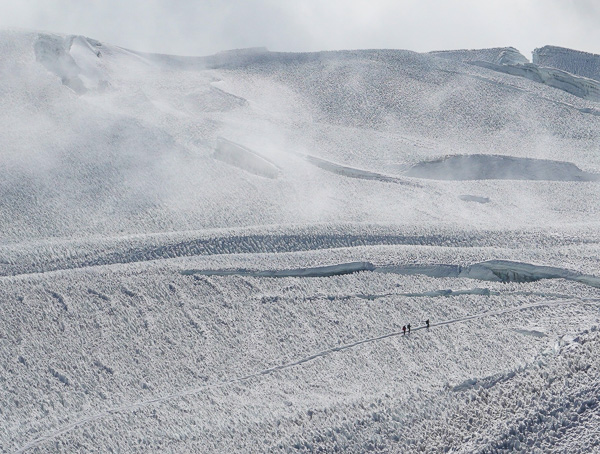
column 407, row 327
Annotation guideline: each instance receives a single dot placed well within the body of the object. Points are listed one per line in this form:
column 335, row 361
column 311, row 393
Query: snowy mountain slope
column 498, row 56
column 143, row 338
column 564, row 69
column 217, row 254
column 140, row 151
column 576, row 62
column 548, row 406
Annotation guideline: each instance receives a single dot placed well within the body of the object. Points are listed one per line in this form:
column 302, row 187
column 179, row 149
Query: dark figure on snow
column 408, row 327
column 404, row 330
column 427, row 323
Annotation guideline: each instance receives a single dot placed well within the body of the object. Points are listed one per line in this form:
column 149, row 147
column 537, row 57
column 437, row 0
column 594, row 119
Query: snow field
column 147, row 201
column 146, row 334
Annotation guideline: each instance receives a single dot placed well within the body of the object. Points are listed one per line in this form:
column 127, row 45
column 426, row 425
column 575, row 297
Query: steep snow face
column 573, row 61
column 74, row 59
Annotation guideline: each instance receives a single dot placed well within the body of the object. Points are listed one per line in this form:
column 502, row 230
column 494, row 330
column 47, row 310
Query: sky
column 202, row 27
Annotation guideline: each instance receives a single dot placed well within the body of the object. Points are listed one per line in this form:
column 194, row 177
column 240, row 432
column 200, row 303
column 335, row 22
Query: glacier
column 218, row 253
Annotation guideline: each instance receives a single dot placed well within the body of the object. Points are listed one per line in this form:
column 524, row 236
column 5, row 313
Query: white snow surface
column 218, row 254
column 498, row 55
column 576, row 62
column 575, row 72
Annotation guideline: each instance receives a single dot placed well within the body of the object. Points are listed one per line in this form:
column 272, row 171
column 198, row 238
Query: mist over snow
column 219, row 253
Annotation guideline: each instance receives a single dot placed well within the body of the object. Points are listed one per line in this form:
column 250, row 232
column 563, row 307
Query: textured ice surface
column 218, row 254
column 498, row 56
column 579, row 86
column 557, row 67
column 576, row 62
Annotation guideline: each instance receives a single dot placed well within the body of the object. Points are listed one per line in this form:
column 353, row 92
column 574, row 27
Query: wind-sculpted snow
column 212, row 99
column 136, row 406
column 352, row 172
column 550, row 405
column 322, row 271
column 552, row 66
column 491, row 167
column 495, row 270
column 73, row 59
column 132, row 151
column 225, row 59
column 64, row 255
column 158, row 348
column 507, row 271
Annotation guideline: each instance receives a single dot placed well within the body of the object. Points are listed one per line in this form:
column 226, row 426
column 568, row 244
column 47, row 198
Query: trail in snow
column 323, row 353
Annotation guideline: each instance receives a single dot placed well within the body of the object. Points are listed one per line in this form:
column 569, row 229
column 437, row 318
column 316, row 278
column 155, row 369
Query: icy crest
column 573, row 61
column 560, row 68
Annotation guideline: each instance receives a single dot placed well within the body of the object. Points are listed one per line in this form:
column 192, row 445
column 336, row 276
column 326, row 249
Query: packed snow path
column 323, row 353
